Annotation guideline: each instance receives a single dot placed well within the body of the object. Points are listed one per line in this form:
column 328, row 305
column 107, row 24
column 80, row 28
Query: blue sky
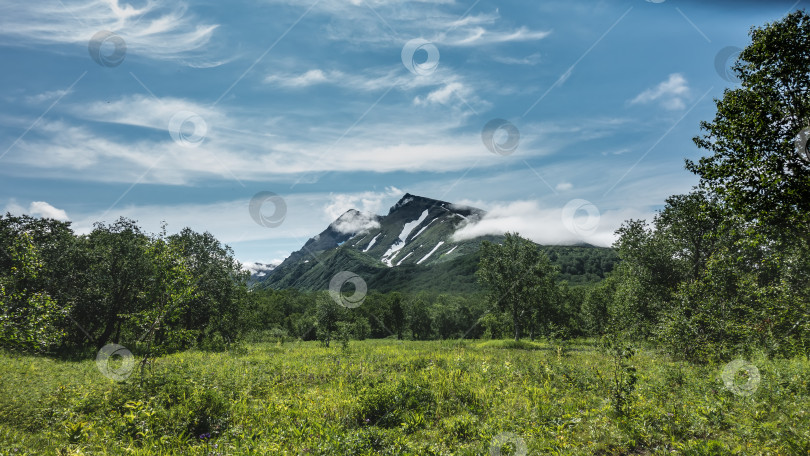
column 317, row 102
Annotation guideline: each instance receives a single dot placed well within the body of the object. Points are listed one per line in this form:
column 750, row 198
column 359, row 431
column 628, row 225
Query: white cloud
column 45, row 210
column 441, row 22
column 477, row 36
column 367, row 202
column 355, row 222
column 444, row 94
column 156, row 30
column 671, row 94
column 46, row 96
column 545, row 225
column 311, row 77
column 564, row 186
column 533, row 59
column 37, row 209
column 236, row 145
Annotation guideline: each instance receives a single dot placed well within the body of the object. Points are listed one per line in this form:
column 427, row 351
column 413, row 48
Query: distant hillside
column 412, row 249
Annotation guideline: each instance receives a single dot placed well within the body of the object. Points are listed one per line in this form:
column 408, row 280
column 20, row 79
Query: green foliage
column 518, row 277
column 29, row 319
column 624, row 375
column 755, row 166
column 153, row 293
column 418, row 398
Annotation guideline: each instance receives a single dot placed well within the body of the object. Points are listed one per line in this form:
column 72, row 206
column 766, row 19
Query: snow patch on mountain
column 371, row 244
column 400, row 241
column 451, row 250
column 424, row 228
column 406, row 256
column 431, row 252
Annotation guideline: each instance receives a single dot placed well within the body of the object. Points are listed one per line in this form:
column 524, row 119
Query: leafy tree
column 328, row 314
column 169, row 294
column 694, row 225
column 117, row 277
column 397, row 314
column 755, row 166
column 29, row 318
column 594, row 313
column 420, row 319
column 220, row 295
column 518, row 278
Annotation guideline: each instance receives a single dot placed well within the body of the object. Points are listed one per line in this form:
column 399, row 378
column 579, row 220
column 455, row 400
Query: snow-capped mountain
column 412, row 249
column 416, row 231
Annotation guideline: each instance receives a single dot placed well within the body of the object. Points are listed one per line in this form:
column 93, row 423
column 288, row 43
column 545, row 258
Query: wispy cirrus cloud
column 235, row 145
column 441, row 22
column 155, row 30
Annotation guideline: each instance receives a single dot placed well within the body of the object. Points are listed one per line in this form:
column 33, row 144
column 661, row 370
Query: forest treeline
column 118, row 284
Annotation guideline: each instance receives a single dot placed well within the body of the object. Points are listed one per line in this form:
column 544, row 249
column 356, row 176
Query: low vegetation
column 390, row 397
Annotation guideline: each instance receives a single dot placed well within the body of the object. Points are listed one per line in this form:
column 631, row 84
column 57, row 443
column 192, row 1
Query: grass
column 388, row 397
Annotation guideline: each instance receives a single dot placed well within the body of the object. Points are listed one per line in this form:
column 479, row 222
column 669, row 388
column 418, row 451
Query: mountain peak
column 422, row 201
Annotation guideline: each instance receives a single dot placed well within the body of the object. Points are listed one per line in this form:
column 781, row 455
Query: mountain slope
column 411, row 249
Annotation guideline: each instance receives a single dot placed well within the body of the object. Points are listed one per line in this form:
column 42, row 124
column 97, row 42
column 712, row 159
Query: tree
column 328, row 314
column 518, row 278
column 169, row 292
column 29, row 318
column 420, row 319
column 658, row 258
column 693, row 224
column 220, row 284
column 118, row 275
column 756, row 167
column 397, row 314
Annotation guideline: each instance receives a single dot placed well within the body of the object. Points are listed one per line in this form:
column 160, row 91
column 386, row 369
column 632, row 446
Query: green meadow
column 405, row 398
